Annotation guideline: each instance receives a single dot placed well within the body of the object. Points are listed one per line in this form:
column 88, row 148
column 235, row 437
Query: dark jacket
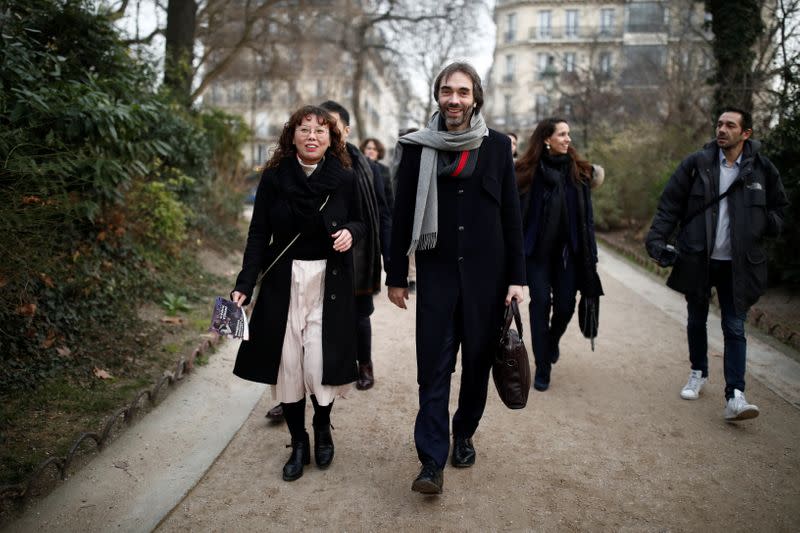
column 367, row 252
column 385, row 203
column 271, row 229
column 540, row 223
column 755, row 208
column 477, row 256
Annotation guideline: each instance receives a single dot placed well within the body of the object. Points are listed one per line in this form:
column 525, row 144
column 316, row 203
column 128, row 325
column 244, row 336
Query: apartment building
column 590, row 59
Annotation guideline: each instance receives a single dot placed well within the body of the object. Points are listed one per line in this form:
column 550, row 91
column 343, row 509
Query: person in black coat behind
column 558, row 228
column 306, row 219
column 367, row 253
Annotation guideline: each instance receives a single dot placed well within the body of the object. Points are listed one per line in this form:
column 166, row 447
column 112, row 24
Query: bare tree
column 378, row 32
column 442, row 41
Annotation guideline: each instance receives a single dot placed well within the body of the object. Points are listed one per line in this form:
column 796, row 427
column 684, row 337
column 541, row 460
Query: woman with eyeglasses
column 558, row 228
column 306, row 218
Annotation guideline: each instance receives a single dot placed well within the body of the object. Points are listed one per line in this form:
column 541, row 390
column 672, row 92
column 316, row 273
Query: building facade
column 265, row 85
column 586, row 60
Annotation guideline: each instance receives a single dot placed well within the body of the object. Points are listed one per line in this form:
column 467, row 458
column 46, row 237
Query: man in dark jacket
column 457, row 208
column 367, row 252
column 720, row 244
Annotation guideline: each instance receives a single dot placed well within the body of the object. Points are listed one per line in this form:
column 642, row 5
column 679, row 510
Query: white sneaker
column 691, row 391
column 737, row 407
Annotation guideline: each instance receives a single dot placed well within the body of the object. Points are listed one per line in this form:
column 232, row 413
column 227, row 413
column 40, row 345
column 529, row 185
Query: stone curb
column 757, row 317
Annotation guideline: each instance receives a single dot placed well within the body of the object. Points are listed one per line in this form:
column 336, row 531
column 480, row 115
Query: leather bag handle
column 512, row 312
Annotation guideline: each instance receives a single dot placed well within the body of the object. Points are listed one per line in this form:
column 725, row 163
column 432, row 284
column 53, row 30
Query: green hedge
column 102, row 178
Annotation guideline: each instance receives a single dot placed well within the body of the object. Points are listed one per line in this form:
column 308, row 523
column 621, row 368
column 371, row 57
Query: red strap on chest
column 462, row 162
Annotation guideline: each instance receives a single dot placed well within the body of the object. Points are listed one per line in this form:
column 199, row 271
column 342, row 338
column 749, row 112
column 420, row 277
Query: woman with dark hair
column 558, row 227
column 306, row 218
column 375, row 151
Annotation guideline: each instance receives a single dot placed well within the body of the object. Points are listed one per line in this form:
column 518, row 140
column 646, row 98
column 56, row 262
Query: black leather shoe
column 541, row 381
column 463, row 453
column 323, row 447
column 366, row 379
column 275, row 414
column 301, row 455
column 429, row 480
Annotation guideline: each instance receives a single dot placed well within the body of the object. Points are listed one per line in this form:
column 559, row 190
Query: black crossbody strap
column 715, row 201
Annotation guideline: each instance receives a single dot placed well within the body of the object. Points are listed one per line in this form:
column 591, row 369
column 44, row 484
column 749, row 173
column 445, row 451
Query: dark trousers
column 719, row 276
column 364, row 309
column 432, row 428
column 553, row 285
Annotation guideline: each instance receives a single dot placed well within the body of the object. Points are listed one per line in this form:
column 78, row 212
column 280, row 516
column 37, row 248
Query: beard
column 455, row 122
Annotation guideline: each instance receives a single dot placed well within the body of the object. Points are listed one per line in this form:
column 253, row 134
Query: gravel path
column 611, row 446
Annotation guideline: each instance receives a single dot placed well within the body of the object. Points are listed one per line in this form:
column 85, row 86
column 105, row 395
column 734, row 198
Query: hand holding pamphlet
column 229, row 320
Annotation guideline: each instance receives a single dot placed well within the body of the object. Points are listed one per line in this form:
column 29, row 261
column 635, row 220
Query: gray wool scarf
column 433, row 140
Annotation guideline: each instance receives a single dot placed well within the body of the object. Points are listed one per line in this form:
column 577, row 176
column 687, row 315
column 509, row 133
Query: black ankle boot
column 323, row 446
column 301, row 455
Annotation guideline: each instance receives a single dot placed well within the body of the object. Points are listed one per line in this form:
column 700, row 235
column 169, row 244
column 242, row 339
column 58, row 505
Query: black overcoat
column 756, row 210
column 271, row 229
column 477, row 256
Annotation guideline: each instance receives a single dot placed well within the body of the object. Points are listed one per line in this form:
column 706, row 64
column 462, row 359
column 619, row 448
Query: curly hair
column 286, row 147
column 527, row 164
column 378, row 146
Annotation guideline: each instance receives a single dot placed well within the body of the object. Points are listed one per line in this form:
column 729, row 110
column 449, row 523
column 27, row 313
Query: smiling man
column 457, row 209
column 724, row 200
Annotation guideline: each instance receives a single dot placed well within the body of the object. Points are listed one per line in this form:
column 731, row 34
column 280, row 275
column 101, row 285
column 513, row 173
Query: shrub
column 101, row 177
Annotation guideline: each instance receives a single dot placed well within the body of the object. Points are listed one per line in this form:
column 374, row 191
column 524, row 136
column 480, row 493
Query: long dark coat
column 271, row 229
column 534, row 204
column 755, row 208
column 477, row 256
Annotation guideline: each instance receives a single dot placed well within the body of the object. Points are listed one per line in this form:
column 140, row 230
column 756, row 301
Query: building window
column 263, row 92
column 261, row 124
column 568, row 110
column 320, row 89
column 507, row 108
column 569, row 62
column 605, row 63
column 237, row 92
column 571, row 29
column 542, row 59
column 644, row 65
column 511, row 27
column 510, row 68
column 216, row 94
column 545, row 25
column 261, row 156
column 542, row 106
column 606, row 21
column 646, row 17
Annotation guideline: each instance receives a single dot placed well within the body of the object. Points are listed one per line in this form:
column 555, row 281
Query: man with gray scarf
column 457, row 209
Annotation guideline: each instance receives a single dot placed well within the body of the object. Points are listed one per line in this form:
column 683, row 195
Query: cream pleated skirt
column 300, row 371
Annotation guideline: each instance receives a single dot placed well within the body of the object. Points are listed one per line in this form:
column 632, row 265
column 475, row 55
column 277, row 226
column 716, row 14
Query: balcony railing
column 561, row 33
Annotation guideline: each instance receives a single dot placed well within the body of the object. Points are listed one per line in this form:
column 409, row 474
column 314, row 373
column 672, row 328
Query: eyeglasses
column 319, row 132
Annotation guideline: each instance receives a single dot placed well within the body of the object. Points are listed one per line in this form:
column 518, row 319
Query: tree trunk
column 736, row 26
column 355, row 103
column 181, row 20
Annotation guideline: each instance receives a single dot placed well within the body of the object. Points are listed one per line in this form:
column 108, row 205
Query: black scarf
column 306, row 194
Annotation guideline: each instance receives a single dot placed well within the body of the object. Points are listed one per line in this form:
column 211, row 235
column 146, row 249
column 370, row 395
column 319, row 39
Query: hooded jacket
column 756, row 210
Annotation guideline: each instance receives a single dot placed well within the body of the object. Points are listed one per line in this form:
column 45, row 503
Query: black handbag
column 510, row 368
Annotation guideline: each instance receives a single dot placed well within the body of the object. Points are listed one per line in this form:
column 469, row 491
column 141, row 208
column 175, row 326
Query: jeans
column 553, row 286
column 735, row 354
